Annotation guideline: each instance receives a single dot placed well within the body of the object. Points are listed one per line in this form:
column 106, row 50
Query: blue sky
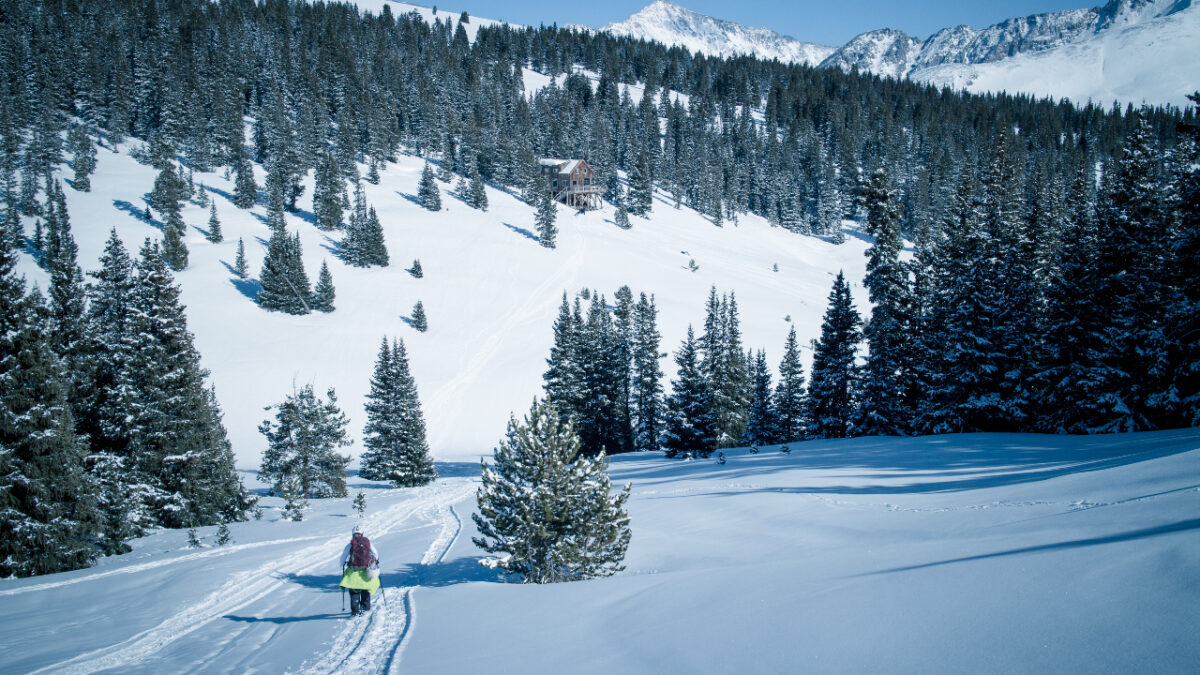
column 831, row 22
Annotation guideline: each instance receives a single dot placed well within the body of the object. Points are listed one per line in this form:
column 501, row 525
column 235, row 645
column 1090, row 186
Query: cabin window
column 587, row 181
column 555, row 182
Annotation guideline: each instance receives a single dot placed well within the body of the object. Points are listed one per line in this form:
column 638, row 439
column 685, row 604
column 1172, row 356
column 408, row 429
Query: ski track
column 141, row 567
column 376, row 644
column 266, row 580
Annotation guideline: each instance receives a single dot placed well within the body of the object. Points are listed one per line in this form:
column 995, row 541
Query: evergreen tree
column 546, row 212
column 646, row 399
column 831, row 396
column 240, row 266
column 881, row 390
column 84, row 157
column 641, row 186
column 1185, row 310
column 761, row 424
column 477, row 194
column 689, row 412
column 46, row 500
column 622, row 218
column 245, row 190
column 419, row 320
column 395, row 432
column 724, row 365
column 328, row 193
column 284, row 283
column 323, row 294
column 416, row 270
column 363, row 245
column 547, row 510
column 790, row 401
column 427, row 190
column 301, row 456
column 214, row 225
column 564, row 377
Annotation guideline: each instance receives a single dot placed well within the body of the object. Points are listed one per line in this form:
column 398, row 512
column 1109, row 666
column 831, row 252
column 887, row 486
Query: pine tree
column 166, row 197
column 84, row 157
column 831, row 400
column 245, row 190
column 622, row 218
column 301, row 458
column 360, row 503
column 689, row 410
column 419, row 320
column 641, row 186
column 323, row 294
column 427, row 190
column 395, row 432
column 790, row 401
column 214, row 225
column 646, row 375
column 563, row 378
column 547, row 510
column 415, row 270
column 240, row 267
column 363, row 245
column 882, row 387
column 761, row 423
column 328, row 193
column 1185, row 310
column 284, row 283
column 46, row 500
column 547, row 211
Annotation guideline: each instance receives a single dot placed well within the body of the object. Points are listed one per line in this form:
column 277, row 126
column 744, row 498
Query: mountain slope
column 670, row 24
column 1131, row 50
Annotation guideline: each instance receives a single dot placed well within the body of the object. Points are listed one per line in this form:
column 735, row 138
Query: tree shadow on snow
column 411, row 198
column 134, row 211
column 451, row 573
column 247, row 287
column 457, row 469
column 947, row 463
column 332, row 245
column 522, row 231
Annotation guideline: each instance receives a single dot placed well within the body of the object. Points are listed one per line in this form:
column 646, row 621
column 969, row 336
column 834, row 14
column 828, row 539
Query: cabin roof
column 564, row 165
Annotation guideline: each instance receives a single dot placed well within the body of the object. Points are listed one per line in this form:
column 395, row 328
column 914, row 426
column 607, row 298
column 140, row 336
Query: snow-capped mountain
column 671, row 24
column 1130, row 50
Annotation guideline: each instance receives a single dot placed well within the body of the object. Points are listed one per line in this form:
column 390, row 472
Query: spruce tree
column 301, row 456
column 476, row 193
column 622, row 218
column 427, row 190
column 1185, row 309
column 831, row 396
column 564, row 375
column 761, row 423
column 647, row 394
column 881, row 390
column 240, row 267
column 395, row 431
column 84, row 157
column 547, row 510
column 641, row 186
column 419, row 320
column 323, row 293
column 328, row 193
column 416, row 270
column 547, row 211
column 245, row 190
column 284, row 283
column 790, row 401
column 689, row 410
column 47, row 502
column 214, row 225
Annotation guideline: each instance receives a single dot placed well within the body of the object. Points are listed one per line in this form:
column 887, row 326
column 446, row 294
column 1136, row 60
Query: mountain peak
column 666, row 22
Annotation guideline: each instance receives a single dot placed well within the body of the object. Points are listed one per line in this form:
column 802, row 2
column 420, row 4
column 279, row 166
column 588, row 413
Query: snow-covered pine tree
column 363, row 245
column 245, row 190
column 47, row 519
column 689, row 410
column 166, row 417
column 476, row 193
column 831, row 399
column 1185, row 310
column 395, row 431
column 641, row 186
column 419, row 320
column 647, row 395
column 563, row 378
column 323, row 293
column 761, row 422
column 427, row 190
column 548, row 511
column 240, row 267
column 166, row 197
column 416, row 270
column 284, row 283
column 881, row 388
column 301, row 455
column 724, row 365
column 214, row 225
column 83, row 160
column 328, row 193
column 622, row 217
column 547, row 210
column 790, row 400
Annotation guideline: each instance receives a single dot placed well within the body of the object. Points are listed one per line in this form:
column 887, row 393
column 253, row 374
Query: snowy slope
column 490, row 292
column 949, row 554
column 670, row 24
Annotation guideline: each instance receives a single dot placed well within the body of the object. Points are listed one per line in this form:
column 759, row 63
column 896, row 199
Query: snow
column 960, row 553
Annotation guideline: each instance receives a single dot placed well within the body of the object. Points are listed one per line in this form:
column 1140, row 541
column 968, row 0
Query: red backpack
column 360, row 551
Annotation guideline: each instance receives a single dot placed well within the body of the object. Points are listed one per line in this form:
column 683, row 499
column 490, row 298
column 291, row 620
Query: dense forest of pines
column 1052, row 286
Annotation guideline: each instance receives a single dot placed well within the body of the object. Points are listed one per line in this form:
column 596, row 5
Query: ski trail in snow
column 250, row 586
column 375, row 646
column 141, row 567
column 548, row 292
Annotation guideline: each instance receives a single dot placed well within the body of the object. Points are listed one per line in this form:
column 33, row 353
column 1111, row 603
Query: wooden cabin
column 572, row 182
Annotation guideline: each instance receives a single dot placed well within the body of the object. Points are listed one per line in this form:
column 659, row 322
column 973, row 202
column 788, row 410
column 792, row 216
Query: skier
column 360, row 571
